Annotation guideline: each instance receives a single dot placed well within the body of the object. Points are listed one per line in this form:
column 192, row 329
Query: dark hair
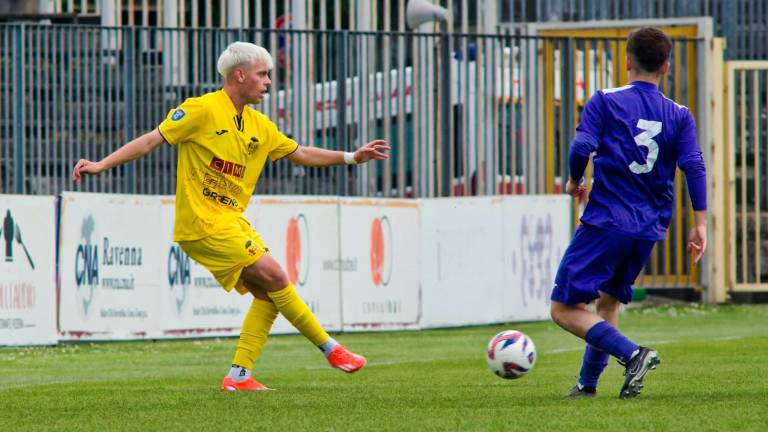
column 649, row 48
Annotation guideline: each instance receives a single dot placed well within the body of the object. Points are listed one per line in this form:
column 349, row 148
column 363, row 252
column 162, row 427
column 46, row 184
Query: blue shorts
column 599, row 260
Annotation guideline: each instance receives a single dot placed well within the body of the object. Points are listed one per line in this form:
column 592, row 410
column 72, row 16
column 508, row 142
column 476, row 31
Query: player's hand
column 375, row 149
column 84, row 166
column 577, row 190
column 697, row 242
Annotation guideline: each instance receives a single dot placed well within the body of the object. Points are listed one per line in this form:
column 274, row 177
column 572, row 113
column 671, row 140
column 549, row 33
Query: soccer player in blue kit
column 637, row 137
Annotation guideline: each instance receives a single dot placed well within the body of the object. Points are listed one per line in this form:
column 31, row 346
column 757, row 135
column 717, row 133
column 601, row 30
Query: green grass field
column 713, row 376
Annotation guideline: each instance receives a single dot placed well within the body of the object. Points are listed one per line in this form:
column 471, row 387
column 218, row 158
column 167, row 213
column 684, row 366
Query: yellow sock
column 296, row 311
column 254, row 334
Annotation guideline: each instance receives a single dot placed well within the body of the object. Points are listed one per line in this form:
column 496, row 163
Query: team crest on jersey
column 178, row 115
column 252, row 146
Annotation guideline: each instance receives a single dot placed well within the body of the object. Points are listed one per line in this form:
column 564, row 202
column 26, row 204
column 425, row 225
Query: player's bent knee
column 278, row 280
column 267, row 274
column 563, row 314
column 556, row 311
column 257, row 291
column 553, row 315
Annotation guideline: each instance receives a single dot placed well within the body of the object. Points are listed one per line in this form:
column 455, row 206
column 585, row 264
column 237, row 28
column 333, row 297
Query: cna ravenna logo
column 297, row 249
column 10, row 234
column 381, row 251
column 87, row 263
column 179, row 275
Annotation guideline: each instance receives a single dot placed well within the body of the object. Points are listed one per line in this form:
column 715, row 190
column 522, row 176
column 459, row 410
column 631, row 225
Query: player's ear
column 665, row 68
column 239, row 75
column 629, row 62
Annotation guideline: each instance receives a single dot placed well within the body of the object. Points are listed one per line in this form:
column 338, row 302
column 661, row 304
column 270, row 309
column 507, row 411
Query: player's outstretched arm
column 318, row 157
column 133, row 150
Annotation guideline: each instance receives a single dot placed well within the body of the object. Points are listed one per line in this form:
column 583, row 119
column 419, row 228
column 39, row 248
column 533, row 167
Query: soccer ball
column 511, row 354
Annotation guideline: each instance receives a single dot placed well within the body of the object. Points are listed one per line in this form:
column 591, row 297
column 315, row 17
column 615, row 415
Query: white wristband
column 349, row 158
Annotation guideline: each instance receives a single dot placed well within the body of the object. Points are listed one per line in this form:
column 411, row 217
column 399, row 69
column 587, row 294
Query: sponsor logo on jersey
column 227, row 167
column 223, row 199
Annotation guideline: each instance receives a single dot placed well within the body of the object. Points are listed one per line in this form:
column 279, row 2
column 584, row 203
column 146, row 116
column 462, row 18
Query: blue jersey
column 637, row 137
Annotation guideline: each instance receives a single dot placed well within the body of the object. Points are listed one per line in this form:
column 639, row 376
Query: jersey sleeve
column 687, row 144
column 587, row 136
column 691, row 162
column 280, row 145
column 590, row 126
column 184, row 121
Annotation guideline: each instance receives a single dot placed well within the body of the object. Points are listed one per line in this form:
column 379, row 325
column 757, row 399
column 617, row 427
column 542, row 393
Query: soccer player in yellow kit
column 223, row 145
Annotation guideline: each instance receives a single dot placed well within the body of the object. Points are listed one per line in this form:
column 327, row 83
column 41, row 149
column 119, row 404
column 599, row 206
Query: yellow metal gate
column 747, row 201
column 598, row 57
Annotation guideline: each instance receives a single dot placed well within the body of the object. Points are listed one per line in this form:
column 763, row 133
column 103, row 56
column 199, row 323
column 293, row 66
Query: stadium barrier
column 27, row 270
column 360, row 264
column 302, row 233
column 490, row 259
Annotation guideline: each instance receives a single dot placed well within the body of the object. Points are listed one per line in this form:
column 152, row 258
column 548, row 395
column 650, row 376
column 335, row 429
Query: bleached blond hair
column 239, row 54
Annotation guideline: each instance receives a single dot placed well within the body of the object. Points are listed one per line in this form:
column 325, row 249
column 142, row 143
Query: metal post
column 729, row 25
column 716, row 277
column 129, row 97
column 342, row 185
column 20, row 126
column 567, row 82
column 445, row 112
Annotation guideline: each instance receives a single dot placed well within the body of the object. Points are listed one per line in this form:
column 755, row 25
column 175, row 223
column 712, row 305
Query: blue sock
column 592, row 366
column 605, row 337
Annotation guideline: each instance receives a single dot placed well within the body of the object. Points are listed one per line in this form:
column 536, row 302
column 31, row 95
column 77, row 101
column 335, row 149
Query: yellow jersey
column 220, row 158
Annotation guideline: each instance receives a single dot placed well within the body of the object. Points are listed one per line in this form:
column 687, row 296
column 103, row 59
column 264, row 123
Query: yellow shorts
column 226, row 253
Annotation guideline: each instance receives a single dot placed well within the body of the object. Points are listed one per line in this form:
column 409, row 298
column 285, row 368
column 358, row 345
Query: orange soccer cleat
column 342, row 358
column 249, row 384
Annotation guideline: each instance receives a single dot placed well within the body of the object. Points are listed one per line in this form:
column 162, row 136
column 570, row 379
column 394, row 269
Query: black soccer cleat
column 638, row 366
column 581, row 392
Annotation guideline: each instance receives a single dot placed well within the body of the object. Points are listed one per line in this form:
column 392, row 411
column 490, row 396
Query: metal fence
column 80, row 91
column 743, row 23
column 748, row 165
column 465, row 114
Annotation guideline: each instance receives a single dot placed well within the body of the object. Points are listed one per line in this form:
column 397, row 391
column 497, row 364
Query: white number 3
column 645, row 139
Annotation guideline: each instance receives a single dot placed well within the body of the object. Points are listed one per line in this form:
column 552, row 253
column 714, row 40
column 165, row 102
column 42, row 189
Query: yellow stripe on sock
column 297, row 313
column 254, row 333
